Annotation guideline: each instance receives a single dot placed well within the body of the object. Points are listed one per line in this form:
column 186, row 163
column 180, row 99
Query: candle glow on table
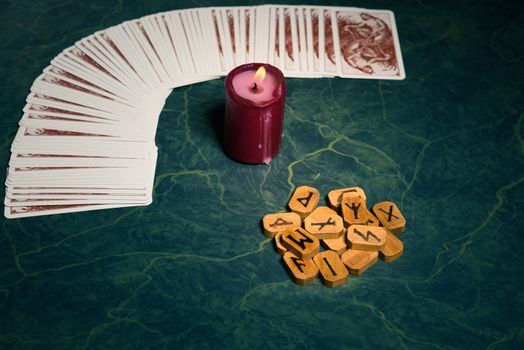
column 254, row 113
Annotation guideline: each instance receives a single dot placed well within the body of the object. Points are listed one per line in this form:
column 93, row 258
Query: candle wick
column 254, row 86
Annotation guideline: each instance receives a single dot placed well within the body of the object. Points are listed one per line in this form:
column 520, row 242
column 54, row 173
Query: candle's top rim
column 279, row 92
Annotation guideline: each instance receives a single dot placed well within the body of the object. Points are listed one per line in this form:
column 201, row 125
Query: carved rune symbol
column 329, row 265
column 324, row 224
column 301, row 242
column 366, row 237
column 354, row 208
column 389, row 213
column 298, row 263
column 280, row 222
column 305, row 200
column 344, row 192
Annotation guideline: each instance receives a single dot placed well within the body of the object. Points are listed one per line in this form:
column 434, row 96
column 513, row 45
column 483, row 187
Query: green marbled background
column 193, row 270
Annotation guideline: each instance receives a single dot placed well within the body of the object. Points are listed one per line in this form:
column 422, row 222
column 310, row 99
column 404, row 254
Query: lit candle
column 254, row 113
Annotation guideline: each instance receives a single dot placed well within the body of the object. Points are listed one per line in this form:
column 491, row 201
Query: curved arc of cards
column 87, row 135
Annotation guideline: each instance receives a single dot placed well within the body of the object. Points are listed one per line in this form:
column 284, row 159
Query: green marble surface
column 194, row 270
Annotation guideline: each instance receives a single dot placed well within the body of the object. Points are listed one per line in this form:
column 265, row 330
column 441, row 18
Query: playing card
column 77, row 193
column 272, row 31
column 234, row 28
column 261, row 33
column 280, row 44
column 228, row 27
column 58, row 173
column 45, row 112
column 301, row 34
column 249, row 13
column 290, row 42
column 317, row 30
column 45, row 176
column 69, row 192
column 38, row 210
column 19, row 160
column 79, row 147
column 38, row 121
column 242, row 35
column 330, row 43
column 311, row 44
column 28, row 135
column 368, row 44
column 224, row 45
column 14, row 202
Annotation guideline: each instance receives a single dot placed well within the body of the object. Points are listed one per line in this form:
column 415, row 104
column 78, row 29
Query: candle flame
column 260, row 75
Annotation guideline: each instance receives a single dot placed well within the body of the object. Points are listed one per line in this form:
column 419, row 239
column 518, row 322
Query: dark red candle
column 254, row 113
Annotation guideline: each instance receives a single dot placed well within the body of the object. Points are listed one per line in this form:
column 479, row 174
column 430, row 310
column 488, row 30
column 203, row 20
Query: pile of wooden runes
column 352, row 235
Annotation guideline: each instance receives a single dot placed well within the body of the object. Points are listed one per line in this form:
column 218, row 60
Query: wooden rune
column 358, row 261
column 354, row 210
column 335, row 196
column 393, row 249
column 390, row 216
column 324, row 223
column 304, row 200
column 302, row 271
column 363, row 237
column 300, row 242
column 332, row 270
column 279, row 222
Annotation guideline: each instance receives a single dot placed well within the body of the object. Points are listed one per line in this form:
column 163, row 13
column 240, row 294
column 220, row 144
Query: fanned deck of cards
column 86, row 139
